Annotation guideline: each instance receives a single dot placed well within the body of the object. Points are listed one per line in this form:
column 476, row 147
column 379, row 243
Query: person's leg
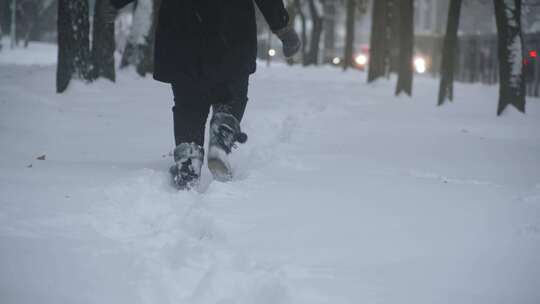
column 232, row 97
column 229, row 106
column 190, row 112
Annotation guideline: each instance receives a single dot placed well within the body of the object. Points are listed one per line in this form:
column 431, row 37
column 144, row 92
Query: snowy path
column 343, row 195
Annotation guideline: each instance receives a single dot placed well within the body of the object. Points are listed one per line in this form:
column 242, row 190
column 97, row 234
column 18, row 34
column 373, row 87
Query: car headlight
column 361, row 59
column 336, row 60
column 420, row 65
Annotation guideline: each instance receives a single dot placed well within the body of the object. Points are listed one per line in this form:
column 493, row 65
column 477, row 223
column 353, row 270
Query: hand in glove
column 291, row 41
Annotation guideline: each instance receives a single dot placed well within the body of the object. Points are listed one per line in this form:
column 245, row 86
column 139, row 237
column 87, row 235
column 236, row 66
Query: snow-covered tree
column 73, row 42
column 349, row 33
column 13, row 32
column 103, row 42
column 379, row 42
column 303, row 22
column 139, row 48
column 392, row 42
column 446, row 89
column 312, row 56
column 512, row 82
column 329, row 24
column 32, row 13
column 406, row 46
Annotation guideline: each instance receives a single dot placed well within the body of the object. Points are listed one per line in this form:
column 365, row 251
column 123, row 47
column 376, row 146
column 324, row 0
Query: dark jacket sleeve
column 274, row 12
column 118, row 4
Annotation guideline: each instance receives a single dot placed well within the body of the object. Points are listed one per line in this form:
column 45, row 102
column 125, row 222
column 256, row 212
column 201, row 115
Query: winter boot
column 188, row 160
column 224, row 133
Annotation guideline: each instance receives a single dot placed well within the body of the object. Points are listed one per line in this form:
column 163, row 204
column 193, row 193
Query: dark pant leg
column 190, row 112
column 232, row 97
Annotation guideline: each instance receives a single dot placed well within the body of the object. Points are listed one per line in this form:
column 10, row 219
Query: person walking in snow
column 206, row 50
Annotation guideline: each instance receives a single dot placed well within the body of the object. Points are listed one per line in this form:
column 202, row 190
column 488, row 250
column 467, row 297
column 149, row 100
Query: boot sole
column 219, row 170
column 173, row 171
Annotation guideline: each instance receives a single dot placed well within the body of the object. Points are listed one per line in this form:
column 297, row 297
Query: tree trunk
column 140, row 41
column 512, row 82
column 349, row 34
column 73, row 42
column 393, row 32
column 406, row 47
column 31, row 16
column 291, row 10
column 379, row 49
column 446, row 88
column 304, row 31
column 315, row 39
column 147, row 65
column 13, row 33
column 329, row 13
column 103, row 43
column 28, row 33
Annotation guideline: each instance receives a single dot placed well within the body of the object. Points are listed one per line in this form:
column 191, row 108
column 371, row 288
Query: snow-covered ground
column 37, row 53
column 343, row 195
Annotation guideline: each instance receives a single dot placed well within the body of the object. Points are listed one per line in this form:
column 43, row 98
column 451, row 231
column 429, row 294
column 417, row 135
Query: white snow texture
column 142, row 22
column 515, row 48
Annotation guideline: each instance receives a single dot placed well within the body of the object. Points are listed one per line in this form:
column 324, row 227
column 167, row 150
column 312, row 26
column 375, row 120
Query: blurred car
column 421, row 63
column 361, row 58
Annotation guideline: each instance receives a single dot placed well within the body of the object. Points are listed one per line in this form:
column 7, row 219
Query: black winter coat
column 209, row 39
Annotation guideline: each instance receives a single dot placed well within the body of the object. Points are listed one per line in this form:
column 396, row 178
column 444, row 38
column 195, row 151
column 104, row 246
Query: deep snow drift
column 344, row 194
